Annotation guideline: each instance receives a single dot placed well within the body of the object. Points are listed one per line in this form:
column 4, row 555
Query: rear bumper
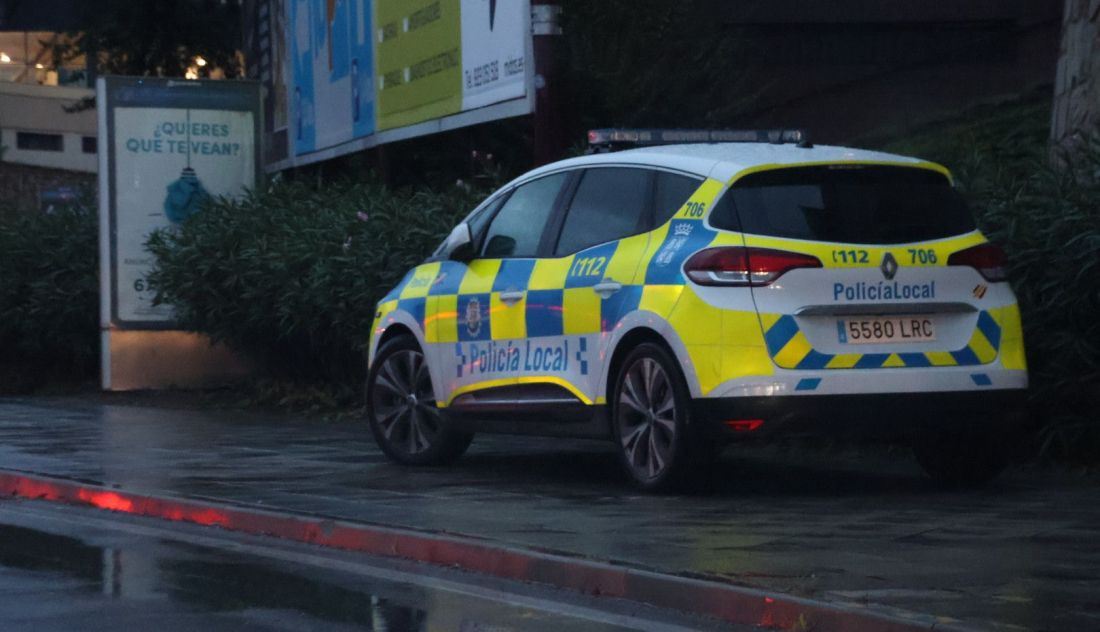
column 884, row 416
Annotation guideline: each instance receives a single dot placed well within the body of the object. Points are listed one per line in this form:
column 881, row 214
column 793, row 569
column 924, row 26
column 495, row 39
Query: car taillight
column 737, row 266
column 989, row 260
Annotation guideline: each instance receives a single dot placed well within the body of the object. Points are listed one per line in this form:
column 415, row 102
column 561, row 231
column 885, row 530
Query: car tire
column 401, row 408
column 650, row 406
column 961, row 461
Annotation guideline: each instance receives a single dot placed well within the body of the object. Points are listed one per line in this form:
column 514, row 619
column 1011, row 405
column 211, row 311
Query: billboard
column 447, row 56
column 331, row 93
column 419, row 61
column 167, row 146
column 494, row 51
column 265, row 46
column 367, row 72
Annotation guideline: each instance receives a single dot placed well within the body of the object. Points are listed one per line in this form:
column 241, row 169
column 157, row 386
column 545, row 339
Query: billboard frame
column 120, row 91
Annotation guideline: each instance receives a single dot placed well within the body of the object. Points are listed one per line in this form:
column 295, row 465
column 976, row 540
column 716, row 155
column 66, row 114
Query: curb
column 727, row 602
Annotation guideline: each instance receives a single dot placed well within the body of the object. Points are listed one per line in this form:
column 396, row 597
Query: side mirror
column 459, row 244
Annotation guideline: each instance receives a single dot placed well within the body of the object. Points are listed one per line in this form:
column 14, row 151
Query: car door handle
column 511, row 297
column 607, row 287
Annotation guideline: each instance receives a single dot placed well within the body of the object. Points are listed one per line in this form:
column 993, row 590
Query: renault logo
column 889, row 267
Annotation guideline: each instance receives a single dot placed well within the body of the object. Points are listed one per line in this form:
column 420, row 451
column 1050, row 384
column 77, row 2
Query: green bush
column 1048, row 220
column 1046, row 214
column 49, row 295
column 290, row 275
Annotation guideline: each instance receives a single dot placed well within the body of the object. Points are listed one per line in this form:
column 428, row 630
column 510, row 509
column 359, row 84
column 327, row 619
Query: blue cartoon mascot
column 185, row 195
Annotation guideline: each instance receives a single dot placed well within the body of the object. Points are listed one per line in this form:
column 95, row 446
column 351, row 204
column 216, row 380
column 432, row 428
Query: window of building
column 88, row 144
column 34, row 141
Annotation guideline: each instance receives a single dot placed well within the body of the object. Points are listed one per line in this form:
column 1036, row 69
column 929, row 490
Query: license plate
column 866, row 331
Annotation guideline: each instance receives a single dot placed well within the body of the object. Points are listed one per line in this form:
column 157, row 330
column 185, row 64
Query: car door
column 477, row 316
column 580, row 292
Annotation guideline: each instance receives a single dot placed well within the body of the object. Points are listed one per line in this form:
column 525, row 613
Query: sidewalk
column 1019, row 555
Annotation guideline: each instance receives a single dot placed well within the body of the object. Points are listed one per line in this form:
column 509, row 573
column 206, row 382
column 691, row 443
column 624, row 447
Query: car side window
column 517, row 228
column 610, row 203
column 477, row 222
column 480, row 220
column 671, row 192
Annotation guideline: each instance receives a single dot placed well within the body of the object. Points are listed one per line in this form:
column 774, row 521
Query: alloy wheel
column 404, row 404
column 646, row 416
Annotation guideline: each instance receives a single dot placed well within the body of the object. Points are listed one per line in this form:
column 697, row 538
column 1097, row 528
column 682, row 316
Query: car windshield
column 845, row 203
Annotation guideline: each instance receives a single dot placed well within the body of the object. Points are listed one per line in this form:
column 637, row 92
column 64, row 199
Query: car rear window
column 845, row 203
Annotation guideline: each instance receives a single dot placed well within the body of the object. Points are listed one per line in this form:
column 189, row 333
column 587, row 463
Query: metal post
column 550, row 142
column 91, row 60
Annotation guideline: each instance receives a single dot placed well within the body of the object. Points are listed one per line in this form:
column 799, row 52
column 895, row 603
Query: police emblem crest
column 473, row 317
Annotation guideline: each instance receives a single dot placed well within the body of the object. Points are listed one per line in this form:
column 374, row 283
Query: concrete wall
column 1077, row 88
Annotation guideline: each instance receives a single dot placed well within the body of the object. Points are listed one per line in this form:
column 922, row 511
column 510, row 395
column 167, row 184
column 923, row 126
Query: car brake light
column 737, row 266
column 989, row 260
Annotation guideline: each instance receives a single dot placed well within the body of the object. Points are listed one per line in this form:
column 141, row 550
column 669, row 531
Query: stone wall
column 20, row 185
column 1077, row 86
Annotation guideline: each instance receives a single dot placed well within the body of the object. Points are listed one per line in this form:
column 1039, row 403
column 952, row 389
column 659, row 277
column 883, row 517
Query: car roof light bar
column 611, row 139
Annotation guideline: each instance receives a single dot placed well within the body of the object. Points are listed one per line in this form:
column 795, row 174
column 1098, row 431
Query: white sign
column 494, row 51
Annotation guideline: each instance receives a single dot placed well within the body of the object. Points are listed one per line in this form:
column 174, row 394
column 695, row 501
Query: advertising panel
column 331, row 95
column 494, row 51
column 170, row 146
column 419, row 61
column 367, row 72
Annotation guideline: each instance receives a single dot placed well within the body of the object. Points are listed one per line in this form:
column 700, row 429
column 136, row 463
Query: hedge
column 49, row 296
column 290, row 274
column 1047, row 218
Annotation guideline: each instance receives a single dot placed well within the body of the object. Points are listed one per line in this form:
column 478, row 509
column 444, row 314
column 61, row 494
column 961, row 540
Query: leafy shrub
column 1049, row 222
column 49, row 295
column 290, row 275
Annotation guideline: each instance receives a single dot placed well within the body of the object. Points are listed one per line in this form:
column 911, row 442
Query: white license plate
column 877, row 330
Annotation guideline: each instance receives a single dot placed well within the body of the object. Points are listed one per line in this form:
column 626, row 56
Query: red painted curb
column 735, row 604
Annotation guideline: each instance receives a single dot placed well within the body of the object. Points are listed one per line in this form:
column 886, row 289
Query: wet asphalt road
column 74, row 569
column 1022, row 554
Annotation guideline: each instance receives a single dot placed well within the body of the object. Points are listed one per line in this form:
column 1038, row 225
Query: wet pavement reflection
column 188, row 576
column 1021, row 554
column 101, row 580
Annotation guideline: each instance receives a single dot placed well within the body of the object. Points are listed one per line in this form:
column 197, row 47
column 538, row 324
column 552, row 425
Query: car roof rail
column 614, row 139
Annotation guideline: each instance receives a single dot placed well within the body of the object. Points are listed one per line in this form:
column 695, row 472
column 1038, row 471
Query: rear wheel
column 962, row 461
column 401, row 408
column 650, row 408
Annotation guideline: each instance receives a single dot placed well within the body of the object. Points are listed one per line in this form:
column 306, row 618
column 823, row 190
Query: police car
column 702, row 287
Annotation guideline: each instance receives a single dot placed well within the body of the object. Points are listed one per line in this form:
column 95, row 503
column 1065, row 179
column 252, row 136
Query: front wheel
column 650, row 408
column 401, row 408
